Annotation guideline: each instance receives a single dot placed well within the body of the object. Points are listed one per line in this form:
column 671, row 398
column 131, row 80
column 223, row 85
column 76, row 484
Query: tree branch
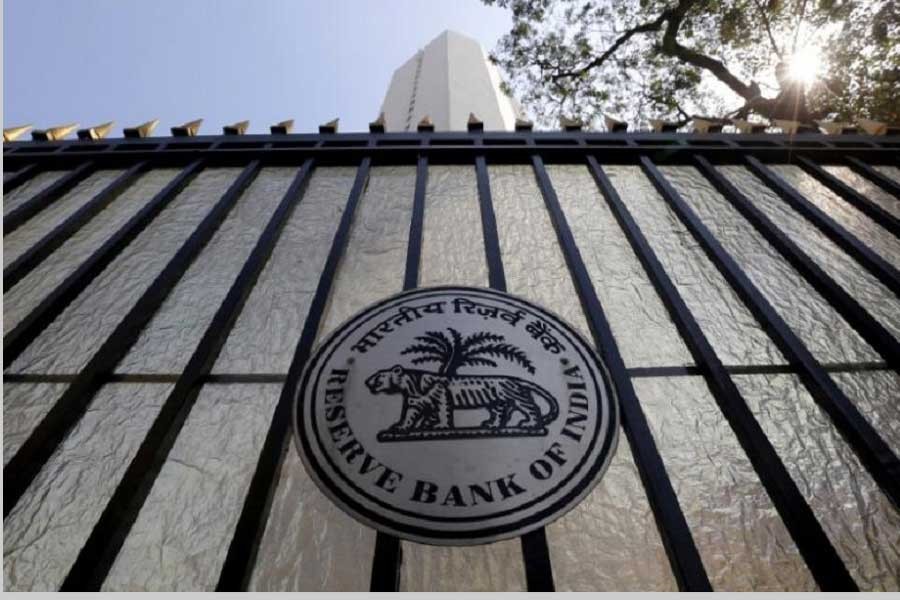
column 765, row 18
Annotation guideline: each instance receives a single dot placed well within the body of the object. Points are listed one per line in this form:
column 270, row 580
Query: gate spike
column 878, row 127
column 837, row 127
column 793, row 127
column 141, row 131
column 238, row 128
column 13, row 133
column 663, row 126
column 749, row 126
column 329, row 127
column 282, row 127
column 567, row 124
column 615, row 125
column 524, row 125
column 708, row 124
column 53, row 133
column 377, row 126
column 474, row 124
column 97, row 132
column 189, row 129
column 425, row 124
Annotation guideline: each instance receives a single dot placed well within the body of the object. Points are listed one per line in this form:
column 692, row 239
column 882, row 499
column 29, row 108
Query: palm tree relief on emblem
column 430, row 399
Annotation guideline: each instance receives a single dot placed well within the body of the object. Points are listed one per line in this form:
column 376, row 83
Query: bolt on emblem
column 455, row 416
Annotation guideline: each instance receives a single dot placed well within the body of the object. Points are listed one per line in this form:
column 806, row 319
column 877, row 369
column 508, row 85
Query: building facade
column 161, row 295
column 445, row 82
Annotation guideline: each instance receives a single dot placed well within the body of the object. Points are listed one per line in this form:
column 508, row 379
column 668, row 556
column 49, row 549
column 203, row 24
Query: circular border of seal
column 384, row 523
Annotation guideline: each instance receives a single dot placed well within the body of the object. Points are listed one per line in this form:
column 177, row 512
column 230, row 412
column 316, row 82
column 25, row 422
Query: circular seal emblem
column 455, row 416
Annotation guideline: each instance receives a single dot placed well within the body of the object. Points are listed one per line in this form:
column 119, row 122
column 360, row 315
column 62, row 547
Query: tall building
column 162, row 296
column 446, row 81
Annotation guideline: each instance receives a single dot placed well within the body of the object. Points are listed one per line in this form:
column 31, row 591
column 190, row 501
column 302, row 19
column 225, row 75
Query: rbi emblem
column 455, row 416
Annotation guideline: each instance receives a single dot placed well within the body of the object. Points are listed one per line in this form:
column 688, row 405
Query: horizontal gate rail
column 880, row 179
column 238, row 566
column 872, row 450
column 34, row 453
column 22, row 266
column 854, row 198
column 16, row 218
column 24, row 174
column 674, row 531
column 824, row 563
column 865, row 256
column 846, row 305
column 99, row 552
column 21, row 336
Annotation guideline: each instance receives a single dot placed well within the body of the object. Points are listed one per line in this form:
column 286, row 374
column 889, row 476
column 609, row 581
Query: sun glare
column 805, row 65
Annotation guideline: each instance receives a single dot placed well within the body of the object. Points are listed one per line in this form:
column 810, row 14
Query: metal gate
column 742, row 289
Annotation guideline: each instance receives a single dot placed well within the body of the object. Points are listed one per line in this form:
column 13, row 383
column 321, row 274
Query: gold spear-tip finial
column 329, row 127
column 524, row 125
column 614, row 125
column 188, row 129
column 97, row 132
column 141, row 131
column 425, row 124
column 53, row 133
column 663, row 126
column 567, row 124
column 13, row 133
column 749, row 126
column 377, row 126
column 239, row 128
column 708, row 124
column 282, row 127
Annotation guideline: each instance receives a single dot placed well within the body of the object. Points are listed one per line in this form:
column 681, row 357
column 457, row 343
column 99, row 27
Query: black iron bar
column 872, row 450
column 865, row 256
column 21, row 336
column 846, row 305
column 535, row 552
column 676, row 535
column 21, row 176
column 99, row 552
column 874, row 175
column 387, row 559
column 496, row 277
column 244, row 545
column 851, row 196
column 56, row 424
column 46, row 197
column 824, row 563
column 32, row 257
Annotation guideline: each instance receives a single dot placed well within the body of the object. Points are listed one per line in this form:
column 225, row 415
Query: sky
column 92, row 61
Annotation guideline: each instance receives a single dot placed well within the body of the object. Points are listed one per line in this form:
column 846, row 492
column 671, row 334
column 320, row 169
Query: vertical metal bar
column 851, row 196
column 864, row 255
column 99, row 552
column 238, row 565
column 53, row 428
column 32, row 257
column 496, row 278
column 870, row 329
column 21, row 336
column 388, row 556
column 872, row 450
column 535, row 553
column 824, row 563
column 45, row 197
column 674, row 531
column 20, row 177
column 880, row 179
